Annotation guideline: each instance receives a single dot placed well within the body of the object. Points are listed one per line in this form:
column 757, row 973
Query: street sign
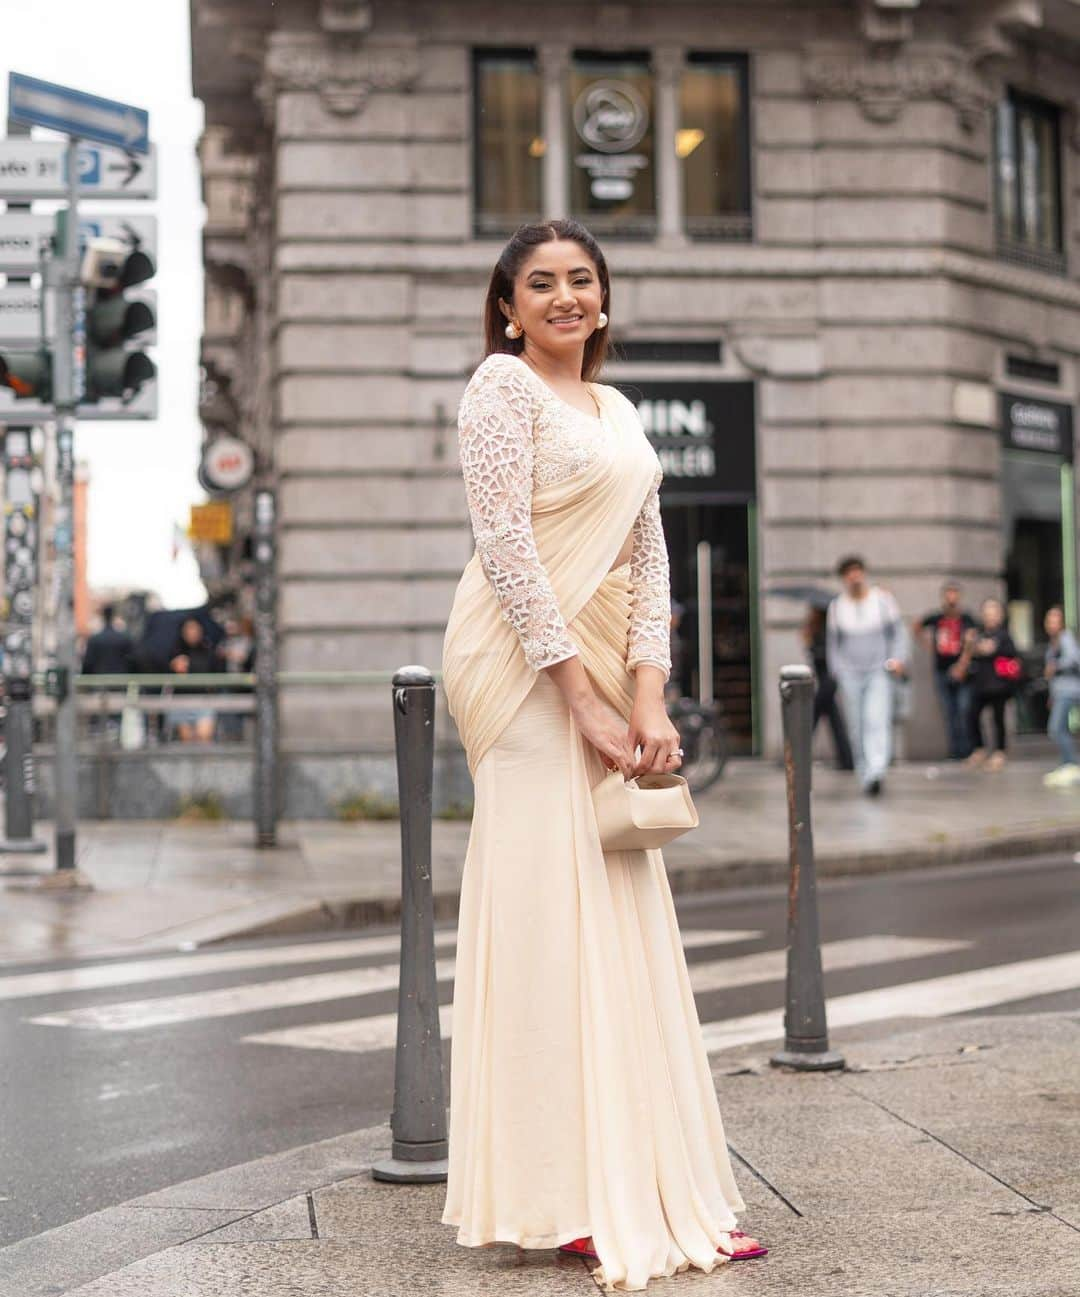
column 211, row 523
column 32, row 169
column 20, row 316
column 73, row 112
column 144, row 405
column 227, row 464
column 23, row 235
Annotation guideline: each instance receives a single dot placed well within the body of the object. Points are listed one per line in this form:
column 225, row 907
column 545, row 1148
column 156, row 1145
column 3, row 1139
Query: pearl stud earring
column 601, row 320
column 513, row 330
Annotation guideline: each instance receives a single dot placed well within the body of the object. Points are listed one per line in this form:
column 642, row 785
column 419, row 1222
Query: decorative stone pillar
column 668, row 61
column 554, row 64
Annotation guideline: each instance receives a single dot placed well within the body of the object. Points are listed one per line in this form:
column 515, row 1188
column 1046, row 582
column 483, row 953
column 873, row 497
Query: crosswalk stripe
column 344, row 984
column 93, row 977
column 934, row 997
column 379, row 1031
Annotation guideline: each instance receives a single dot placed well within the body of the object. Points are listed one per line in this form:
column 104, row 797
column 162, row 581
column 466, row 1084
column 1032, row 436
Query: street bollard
column 418, row 1121
column 806, row 1035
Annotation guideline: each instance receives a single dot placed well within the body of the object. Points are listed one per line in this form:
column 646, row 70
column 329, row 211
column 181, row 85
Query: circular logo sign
column 227, row 464
column 610, row 116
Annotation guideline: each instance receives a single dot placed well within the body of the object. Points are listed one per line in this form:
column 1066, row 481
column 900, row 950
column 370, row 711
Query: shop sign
column 211, row 523
column 1042, row 426
column 703, row 434
column 227, row 464
column 612, row 119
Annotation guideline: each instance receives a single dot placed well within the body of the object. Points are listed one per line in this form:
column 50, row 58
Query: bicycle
column 703, row 737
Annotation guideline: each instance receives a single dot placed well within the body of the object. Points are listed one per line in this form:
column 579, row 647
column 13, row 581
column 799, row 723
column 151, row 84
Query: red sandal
column 579, row 1247
column 748, row 1254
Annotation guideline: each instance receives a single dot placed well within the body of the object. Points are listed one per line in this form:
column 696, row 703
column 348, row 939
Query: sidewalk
column 161, row 885
column 942, row 1164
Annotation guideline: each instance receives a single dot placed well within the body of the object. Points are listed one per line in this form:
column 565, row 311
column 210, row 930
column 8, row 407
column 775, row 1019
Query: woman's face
column 992, row 614
column 557, row 297
column 1054, row 622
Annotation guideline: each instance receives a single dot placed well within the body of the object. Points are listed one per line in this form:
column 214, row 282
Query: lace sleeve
column 496, row 442
column 650, row 606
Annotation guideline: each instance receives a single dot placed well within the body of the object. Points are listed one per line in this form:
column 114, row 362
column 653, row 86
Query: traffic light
column 28, row 374
column 113, row 321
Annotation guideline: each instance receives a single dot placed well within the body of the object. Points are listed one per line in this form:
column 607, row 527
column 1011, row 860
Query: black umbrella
column 158, row 644
column 816, row 596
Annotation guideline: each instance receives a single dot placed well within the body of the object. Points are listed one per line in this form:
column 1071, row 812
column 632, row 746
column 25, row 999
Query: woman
column 990, row 660
column 583, row 1114
column 1063, row 672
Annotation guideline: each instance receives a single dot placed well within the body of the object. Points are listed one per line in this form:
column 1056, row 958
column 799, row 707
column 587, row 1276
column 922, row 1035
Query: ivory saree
column 581, row 1099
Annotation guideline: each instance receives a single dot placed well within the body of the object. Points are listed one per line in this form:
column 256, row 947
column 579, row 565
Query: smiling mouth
column 565, row 319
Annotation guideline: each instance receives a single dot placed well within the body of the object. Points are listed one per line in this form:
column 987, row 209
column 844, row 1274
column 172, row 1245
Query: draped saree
column 582, row 1102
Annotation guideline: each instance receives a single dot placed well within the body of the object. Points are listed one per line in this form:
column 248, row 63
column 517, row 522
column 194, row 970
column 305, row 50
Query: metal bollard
column 806, row 1035
column 419, row 1154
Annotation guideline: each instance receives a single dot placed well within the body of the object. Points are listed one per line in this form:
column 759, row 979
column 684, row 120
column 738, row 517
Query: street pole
column 68, row 379
column 20, row 563
column 419, row 1151
column 806, row 1035
column 266, row 706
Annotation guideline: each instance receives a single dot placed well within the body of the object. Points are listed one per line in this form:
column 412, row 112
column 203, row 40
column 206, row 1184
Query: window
column 1028, row 161
column 509, row 142
column 612, row 177
column 713, row 143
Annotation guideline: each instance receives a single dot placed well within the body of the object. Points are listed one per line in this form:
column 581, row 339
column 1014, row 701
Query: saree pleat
column 582, row 1100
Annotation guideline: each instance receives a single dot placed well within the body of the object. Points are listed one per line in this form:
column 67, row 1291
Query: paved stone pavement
column 166, row 884
column 942, row 1163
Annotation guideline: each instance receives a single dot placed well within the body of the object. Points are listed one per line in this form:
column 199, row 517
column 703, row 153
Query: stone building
column 845, row 242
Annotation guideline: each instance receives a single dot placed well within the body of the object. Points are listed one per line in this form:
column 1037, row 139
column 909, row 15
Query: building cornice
column 343, row 74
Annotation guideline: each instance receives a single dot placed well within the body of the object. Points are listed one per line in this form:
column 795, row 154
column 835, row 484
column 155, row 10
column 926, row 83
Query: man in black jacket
column 110, row 651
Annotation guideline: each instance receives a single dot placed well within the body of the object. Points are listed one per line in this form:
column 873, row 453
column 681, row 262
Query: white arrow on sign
column 20, row 316
column 36, row 169
column 23, row 234
column 114, row 119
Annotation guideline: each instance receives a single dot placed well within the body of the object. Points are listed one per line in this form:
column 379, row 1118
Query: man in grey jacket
column 866, row 646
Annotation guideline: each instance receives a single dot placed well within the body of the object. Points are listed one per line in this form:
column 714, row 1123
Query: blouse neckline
column 595, row 418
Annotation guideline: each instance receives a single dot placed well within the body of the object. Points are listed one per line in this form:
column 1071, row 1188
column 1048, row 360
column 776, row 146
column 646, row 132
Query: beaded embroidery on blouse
column 516, row 434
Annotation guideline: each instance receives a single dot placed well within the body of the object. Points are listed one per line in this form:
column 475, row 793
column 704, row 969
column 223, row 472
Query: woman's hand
column 652, row 731
column 606, row 730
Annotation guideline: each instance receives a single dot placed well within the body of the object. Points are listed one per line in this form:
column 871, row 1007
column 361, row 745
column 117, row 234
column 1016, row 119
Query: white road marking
column 934, row 997
column 379, row 1031
column 92, row 977
column 344, row 984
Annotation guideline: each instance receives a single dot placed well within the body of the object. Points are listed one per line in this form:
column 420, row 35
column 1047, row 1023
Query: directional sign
column 24, row 413
column 87, row 117
column 37, row 169
column 22, row 236
column 20, row 316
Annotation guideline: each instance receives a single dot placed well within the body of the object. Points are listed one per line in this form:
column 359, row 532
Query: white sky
column 142, row 474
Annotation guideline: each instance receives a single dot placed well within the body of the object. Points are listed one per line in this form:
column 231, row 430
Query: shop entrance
column 1037, row 494
column 704, row 435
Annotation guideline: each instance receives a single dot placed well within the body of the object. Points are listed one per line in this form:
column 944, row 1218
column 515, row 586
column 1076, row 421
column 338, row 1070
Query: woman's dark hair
column 524, row 240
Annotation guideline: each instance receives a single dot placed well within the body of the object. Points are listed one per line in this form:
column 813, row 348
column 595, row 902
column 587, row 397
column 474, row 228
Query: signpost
column 24, row 236
column 75, row 113
column 119, row 163
column 38, row 169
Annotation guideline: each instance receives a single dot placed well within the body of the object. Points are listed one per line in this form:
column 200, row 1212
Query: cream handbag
column 643, row 812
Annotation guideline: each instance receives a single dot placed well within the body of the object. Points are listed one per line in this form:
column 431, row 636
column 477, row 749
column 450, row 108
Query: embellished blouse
column 516, row 434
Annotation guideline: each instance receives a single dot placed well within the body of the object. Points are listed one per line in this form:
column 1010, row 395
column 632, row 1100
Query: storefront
column 704, row 434
column 1038, row 526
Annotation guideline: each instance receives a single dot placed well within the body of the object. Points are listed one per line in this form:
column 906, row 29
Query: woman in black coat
column 991, row 662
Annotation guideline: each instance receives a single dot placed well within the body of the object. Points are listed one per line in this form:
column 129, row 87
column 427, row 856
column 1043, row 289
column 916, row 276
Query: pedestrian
column 826, row 700
column 992, row 663
column 1063, row 672
column 583, row 1113
column 866, row 647
column 943, row 632
column 193, row 656
column 110, row 651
